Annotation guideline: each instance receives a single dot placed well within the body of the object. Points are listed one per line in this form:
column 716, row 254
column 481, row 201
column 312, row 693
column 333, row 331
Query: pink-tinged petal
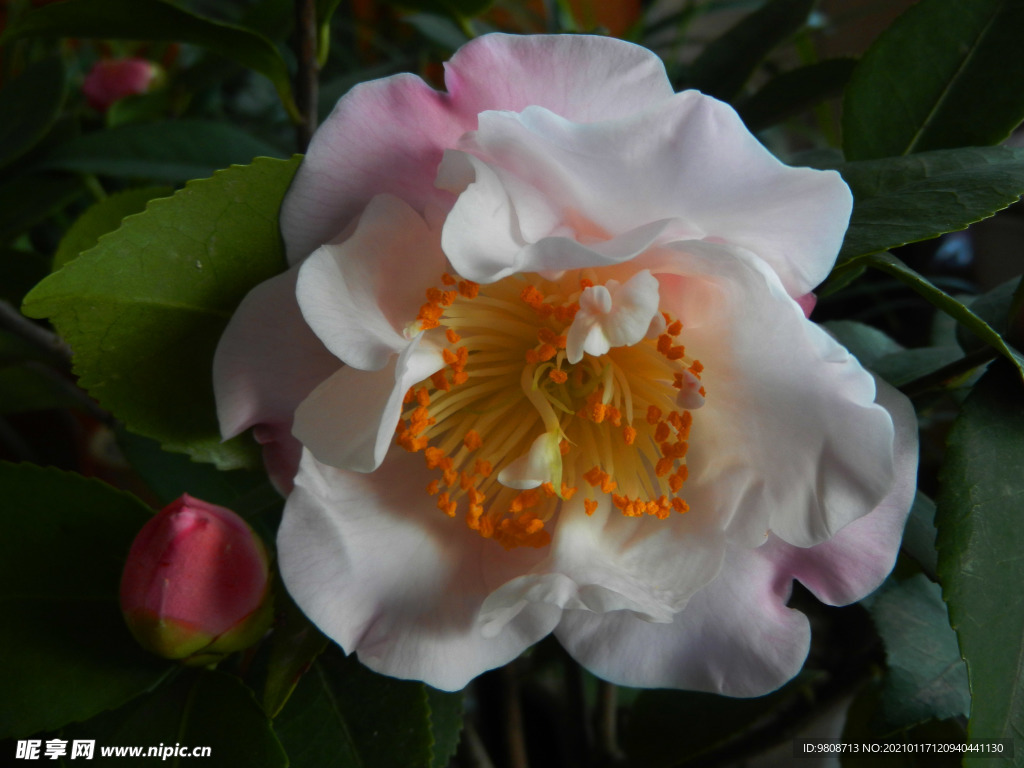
column 584, row 77
column 855, row 561
column 735, row 637
column 266, row 363
column 606, row 562
column 613, row 315
column 358, row 296
column 373, row 562
column 789, row 438
column 384, row 136
column 701, row 169
column 349, row 420
column 807, row 303
column 388, row 136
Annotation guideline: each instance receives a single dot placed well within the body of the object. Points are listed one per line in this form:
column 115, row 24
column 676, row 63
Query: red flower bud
column 195, row 585
column 111, row 80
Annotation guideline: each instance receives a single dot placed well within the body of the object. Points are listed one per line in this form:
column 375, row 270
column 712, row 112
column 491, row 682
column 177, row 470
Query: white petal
column 789, row 439
column 349, row 421
column 735, row 636
column 382, row 572
column 613, row 315
column 359, row 296
column 267, row 361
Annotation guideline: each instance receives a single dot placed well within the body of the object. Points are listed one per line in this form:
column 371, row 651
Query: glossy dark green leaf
column 877, row 351
column 907, row 199
column 157, row 20
column 30, row 105
column 926, row 678
column 144, row 309
column 344, row 716
column 726, row 64
column 196, row 709
column 103, row 217
column 175, row 150
column 445, row 724
column 994, row 308
column 65, row 653
column 795, row 91
column 946, row 74
column 980, row 543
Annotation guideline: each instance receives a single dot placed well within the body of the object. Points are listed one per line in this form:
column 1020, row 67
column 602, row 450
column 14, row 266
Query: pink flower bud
column 195, row 585
column 111, row 80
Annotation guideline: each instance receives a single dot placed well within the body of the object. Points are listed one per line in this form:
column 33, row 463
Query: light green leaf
column 174, row 150
column 980, row 543
column 197, row 709
column 144, row 309
column 65, row 652
column 726, row 64
column 30, row 105
column 907, row 199
column 946, row 74
column 157, row 20
column 927, row 678
column 103, row 217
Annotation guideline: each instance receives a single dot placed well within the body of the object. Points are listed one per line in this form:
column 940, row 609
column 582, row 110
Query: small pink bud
column 196, row 583
column 111, row 80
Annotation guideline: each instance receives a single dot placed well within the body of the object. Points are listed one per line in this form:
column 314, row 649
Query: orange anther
column 653, row 414
column 675, row 328
column 469, row 289
column 696, row 368
column 629, row 435
column 676, row 353
column 558, row 376
column 664, row 466
column 483, row 468
column 590, row 506
column 447, row 279
column 472, row 440
column 662, row 431
column 452, row 336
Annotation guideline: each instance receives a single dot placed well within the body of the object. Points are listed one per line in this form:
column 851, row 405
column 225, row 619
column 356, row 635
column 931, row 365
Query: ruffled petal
column 702, row 170
column 358, row 296
column 584, row 77
column 349, row 420
column 606, row 563
column 266, row 363
column 735, row 636
column 388, row 136
column 789, row 439
column 381, row 571
column 855, row 561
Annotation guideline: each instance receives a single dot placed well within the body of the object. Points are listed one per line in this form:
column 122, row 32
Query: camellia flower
column 196, row 583
column 110, row 80
column 540, row 366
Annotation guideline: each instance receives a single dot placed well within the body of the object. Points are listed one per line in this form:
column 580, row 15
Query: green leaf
column 888, row 263
column 994, row 308
column 157, row 20
column 445, row 724
column 343, row 715
column 198, row 709
column 30, row 106
column 980, row 544
column 946, row 74
column 907, row 199
column 927, row 678
column 793, row 92
column 174, row 150
column 726, row 64
column 919, row 535
column 65, row 653
column 144, row 309
column 101, row 218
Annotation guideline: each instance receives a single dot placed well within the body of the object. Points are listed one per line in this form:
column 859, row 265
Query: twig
column 40, row 338
column 306, row 85
column 514, row 731
column 607, row 723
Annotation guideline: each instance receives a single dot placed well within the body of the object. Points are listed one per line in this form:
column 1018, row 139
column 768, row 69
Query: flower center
column 513, row 428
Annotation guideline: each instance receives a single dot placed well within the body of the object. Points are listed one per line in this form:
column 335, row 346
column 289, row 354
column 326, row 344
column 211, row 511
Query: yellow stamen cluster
column 507, row 382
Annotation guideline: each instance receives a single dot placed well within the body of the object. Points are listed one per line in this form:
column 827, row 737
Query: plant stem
column 514, row 731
